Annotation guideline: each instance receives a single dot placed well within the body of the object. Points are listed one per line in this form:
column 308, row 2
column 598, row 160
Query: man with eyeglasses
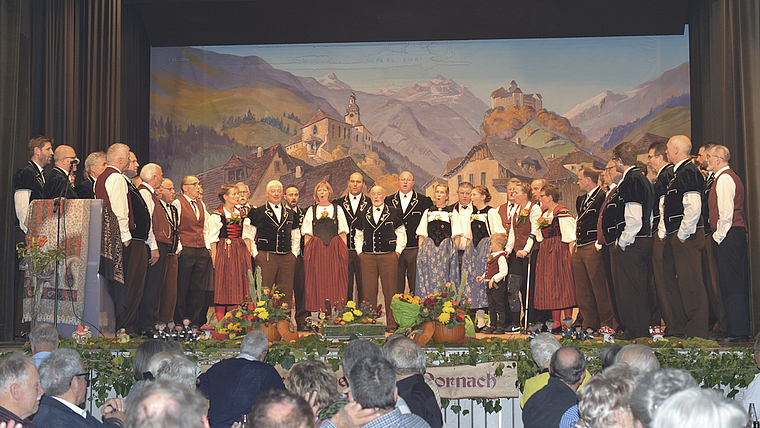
column 65, row 384
column 94, row 165
column 58, row 184
column 193, row 265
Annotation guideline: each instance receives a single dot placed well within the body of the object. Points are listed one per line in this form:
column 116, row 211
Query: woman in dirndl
column 555, row 284
column 230, row 239
column 325, row 254
column 438, row 238
column 484, row 221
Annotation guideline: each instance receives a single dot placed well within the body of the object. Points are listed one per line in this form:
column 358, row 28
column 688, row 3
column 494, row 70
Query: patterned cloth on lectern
column 71, row 275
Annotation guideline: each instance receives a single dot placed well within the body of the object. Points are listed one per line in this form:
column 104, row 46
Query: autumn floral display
column 266, row 307
column 352, row 313
column 449, row 306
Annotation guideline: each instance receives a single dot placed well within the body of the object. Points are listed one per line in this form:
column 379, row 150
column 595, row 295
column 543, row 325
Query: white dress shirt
column 633, row 219
column 295, row 233
column 200, row 206
column 535, row 213
column 725, row 191
column 147, row 195
column 692, row 210
column 118, row 192
column 400, row 233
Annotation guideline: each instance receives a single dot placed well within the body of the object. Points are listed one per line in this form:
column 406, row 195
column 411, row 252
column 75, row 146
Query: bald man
column 681, row 228
column 411, row 205
column 59, row 184
column 355, row 203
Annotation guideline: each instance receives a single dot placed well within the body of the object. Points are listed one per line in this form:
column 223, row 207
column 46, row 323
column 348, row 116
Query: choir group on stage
column 637, row 254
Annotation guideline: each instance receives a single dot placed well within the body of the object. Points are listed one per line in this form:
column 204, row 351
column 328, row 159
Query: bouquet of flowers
column 449, row 306
column 351, row 313
column 523, row 215
column 265, row 306
column 406, row 309
column 40, row 264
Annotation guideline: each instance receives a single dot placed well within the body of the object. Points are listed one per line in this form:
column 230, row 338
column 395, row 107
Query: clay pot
column 428, row 328
column 445, row 334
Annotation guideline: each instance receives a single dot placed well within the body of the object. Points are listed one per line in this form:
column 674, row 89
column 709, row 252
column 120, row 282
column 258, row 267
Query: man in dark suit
column 607, row 230
column 94, row 165
column 411, row 205
column 380, row 239
column 58, row 184
column 681, row 228
column 591, row 287
column 65, row 384
column 278, row 241
column 233, row 385
column 292, row 195
column 168, row 299
column 556, row 404
column 354, row 205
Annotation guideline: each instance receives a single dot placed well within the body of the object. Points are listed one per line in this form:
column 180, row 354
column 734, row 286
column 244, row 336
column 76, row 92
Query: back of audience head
column 255, row 344
column 43, row 337
column 603, row 401
column 639, row 357
column 700, row 408
column 406, row 356
column 279, row 408
column 145, row 351
column 173, row 366
column 58, row 370
column 357, row 349
column 167, row 404
column 372, row 383
column 20, row 388
column 314, row 376
column 568, row 364
column 542, row 347
column 653, row 388
column 608, row 355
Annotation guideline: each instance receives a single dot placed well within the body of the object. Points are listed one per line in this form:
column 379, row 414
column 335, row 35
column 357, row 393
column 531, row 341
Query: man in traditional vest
column 278, row 241
column 94, row 165
column 355, row 203
column 152, row 177
column 58, row 184
column 134, row 225
column 607, row 226
column 463, row 207
column 729, row 232
column 591, row 289
column 291, row 197
column 681, row 227
column 193, row 264
column 168, row 299
column 411, row 205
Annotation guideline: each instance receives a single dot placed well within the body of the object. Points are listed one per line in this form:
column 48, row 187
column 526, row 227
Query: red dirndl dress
column 325, row 262
column 231, row 264
column 555, row 283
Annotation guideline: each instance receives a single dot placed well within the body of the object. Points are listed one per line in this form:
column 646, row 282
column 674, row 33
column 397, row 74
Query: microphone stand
column 59, row 205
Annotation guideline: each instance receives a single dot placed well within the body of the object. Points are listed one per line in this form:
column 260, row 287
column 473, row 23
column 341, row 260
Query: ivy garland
column 712, row 367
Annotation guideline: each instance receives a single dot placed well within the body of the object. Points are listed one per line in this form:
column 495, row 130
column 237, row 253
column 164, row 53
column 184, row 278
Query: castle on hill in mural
column 514, row 96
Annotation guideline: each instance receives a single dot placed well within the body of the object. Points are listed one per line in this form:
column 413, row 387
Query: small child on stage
column 496, row 273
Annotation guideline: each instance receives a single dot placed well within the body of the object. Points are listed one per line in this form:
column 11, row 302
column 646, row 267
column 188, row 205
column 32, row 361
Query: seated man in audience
column 232, row 386
column 20, row 390
column 372, row 398
column 700, row 408
column 65, row 384
column 410, row 362
column 641, row 358
column 173, row 366
column 281, row 408
column 556, row 404
column 652, row 389
column 164, row 403
column 43, row 339
column 542, row 347
column 752, row 393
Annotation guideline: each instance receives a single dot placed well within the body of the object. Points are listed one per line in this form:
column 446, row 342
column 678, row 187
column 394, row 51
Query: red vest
column 191, row 229
column 712, row 201
column 521, row 229
column 162, row 230
column 492, row 266
column 505, row 220
column 101, row 193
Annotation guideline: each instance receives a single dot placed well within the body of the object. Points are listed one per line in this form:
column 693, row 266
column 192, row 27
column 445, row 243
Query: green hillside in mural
column 670, row 121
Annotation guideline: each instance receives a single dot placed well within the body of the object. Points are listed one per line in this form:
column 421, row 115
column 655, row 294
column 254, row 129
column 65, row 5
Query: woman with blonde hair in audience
column 315, row 381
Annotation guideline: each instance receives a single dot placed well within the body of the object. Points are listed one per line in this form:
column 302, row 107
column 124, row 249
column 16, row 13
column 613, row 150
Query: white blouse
column 328, row 211
column 215, row 226
column 438, row 215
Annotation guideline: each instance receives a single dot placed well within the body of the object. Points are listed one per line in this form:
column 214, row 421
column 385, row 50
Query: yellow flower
column 448, row 309
column 261, row 303
column 348, row 317
column 257, row 310
column 444, row 318
column 264, row 315
column 351, row 304
column 357, row 312
column 224, row 330
column 239, row 314
column 232, row 335
column 447, row 304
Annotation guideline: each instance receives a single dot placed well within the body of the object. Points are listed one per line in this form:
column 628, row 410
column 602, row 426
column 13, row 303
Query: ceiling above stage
column 217, row 22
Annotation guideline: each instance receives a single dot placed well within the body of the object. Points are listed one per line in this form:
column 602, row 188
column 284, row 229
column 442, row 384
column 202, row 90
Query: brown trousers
column 407, row 270
column 385, row 267
column 167, row 302
column 591, row 289
column 682, row 263
column 278, row 269
column 712, row 285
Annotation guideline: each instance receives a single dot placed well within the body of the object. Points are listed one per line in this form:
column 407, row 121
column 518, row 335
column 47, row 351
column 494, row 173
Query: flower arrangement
column 523, row 215
column 324, row 214
column 449, row 306
column 235, row 218
column 542, row 222
column 350, row 313
column 40, row 264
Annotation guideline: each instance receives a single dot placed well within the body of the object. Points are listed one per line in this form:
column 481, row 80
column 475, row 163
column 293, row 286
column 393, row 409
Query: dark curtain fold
column 135, row 104
column 725, row 90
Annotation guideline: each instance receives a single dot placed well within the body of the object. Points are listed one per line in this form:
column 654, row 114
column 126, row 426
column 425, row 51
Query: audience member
column 372, row 397
column 700, row 408
column 20, row 389
column 641, row 358
column 145, row 351
column 315, row 382
column 608, row 355
column 603, row 403
column 43, row 339
column 280, row 409
column 542, row 347
column 232, row 386
column 752, row 393
column 652, row 389
column 65, row 384
column 410, row 362
column 173, row 366
column 167, row 404
column 556, row 404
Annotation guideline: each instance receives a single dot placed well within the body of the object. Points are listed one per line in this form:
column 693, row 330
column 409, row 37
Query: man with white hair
column 94, row 165
column 65, row 384
column 654, row 388
column 43, row 339
column 681, row 228
column 232, row 386
column 700, row 408
column 164, row 403
column 278, row 241
column 58, row 183
column 168, row 234
column 20, row 389
column 641, row 358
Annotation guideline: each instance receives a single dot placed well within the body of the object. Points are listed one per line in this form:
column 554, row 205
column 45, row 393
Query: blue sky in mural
column 569, row 70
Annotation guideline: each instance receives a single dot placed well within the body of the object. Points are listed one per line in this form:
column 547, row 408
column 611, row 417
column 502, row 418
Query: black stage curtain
column 76, row 71
column 725, row 99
